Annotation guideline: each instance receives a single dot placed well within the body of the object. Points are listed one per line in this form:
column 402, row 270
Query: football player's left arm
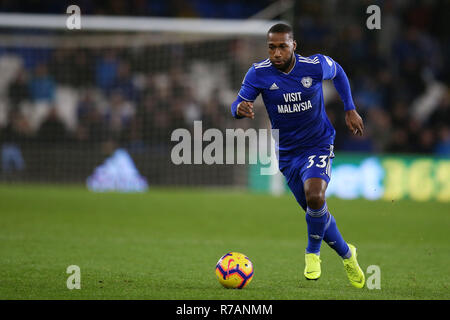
column 353, row 120
column 331, row 70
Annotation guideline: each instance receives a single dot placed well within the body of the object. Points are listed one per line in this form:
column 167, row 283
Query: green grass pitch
column 164, row 244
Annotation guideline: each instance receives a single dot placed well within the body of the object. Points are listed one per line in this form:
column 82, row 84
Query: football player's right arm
column 242, row 107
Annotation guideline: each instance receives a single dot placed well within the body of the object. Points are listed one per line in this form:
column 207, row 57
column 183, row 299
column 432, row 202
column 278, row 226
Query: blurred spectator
column 42, row 86
column 414, row 132
column 190, row 107
column 106, row 70
column 441, row 115
column 442, row 147
column 52, row 131
column 61, row 66
column 12, row 137
column 19, row 90
column 426, row 141
column 66, row 64
column 214, row 113
column 91, row 127
column 400, row 115
column 123, row 82
column 119, row 116
column 398, row 142
column 380, row 125
column 368, row 95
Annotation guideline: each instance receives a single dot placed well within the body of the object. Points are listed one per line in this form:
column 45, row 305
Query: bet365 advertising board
column 385, row 177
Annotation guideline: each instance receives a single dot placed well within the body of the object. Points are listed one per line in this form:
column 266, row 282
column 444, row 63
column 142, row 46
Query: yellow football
column 234, row 270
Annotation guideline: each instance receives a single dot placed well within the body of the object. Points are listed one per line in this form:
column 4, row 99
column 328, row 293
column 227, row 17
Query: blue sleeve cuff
column 234, row 107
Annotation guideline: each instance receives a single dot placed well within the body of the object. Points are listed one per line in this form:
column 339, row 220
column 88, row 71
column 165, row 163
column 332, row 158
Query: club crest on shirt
column 306, row 82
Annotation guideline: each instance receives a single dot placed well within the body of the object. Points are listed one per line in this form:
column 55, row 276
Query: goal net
column 73, row 102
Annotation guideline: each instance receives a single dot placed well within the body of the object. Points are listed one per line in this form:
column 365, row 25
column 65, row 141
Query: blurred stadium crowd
column 399, row 77
column 399, row 74
column 230, row 9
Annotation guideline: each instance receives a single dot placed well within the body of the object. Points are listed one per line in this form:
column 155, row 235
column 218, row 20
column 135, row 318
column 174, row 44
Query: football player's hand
column 354, row 122
column 245, row 109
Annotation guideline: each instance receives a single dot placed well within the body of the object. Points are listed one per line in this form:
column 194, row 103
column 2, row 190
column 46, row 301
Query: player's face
column 281, row 49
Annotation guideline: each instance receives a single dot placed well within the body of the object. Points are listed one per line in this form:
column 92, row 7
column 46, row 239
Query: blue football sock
column 334, row 239
column 316, row 221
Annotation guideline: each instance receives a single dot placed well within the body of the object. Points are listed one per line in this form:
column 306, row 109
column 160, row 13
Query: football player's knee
column 315, row 199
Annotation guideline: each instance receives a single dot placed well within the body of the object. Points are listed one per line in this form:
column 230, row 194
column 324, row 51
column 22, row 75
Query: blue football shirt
column 294, row 101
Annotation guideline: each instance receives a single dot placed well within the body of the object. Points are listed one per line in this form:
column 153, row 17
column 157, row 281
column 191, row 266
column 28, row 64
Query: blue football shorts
column 312, row 163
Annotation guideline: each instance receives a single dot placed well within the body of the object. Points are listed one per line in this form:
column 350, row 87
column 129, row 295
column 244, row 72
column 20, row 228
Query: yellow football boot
column 312, row 266
column 354, row 272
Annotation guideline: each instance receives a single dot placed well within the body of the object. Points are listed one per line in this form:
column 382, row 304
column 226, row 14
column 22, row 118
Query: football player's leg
column 295, row 184
column 316, row 213
column 332, row 236
column 317, row 174
column 293, row 175
column 316, row 218
column 312, row 269
column 348, row 253
column 296, row 188
column 335, row 240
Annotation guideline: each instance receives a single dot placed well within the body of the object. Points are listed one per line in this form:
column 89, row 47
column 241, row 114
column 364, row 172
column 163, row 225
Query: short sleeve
column 249, row 90
column 328, row 67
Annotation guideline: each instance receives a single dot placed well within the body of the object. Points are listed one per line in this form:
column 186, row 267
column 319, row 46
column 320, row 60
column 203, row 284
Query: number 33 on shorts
column 320, row 162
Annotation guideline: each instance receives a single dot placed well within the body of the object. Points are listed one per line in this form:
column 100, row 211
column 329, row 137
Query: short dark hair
column 281, row 28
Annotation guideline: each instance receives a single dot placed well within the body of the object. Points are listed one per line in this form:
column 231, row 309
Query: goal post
column 69, row 99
